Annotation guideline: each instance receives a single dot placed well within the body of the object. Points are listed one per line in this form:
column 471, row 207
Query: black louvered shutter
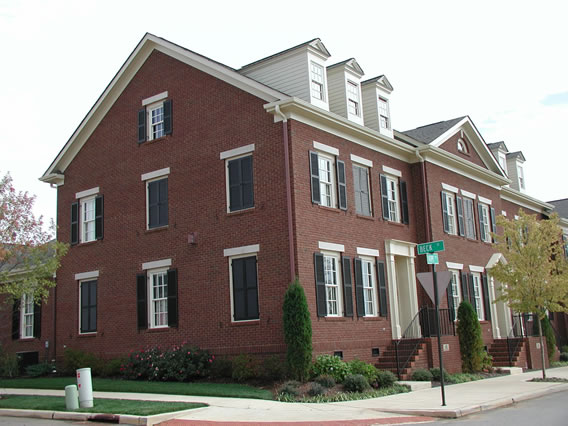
column 481, row 222
column 365, row 193
column 172, row 298
column 168, row 117
column 74, row 223
column 235, row 188
column 357, row 189
column 450, row 293
column 461, row 223
column 382, row 280
column 445, row 217
column 99, row 217
column 404, row 202
column 385, row 197
column 464, row 287
column 245, row 289
column 142, row 125
column 315, row 181
column 247, row 182
column 359, row 292
column 16, row 320
column 493, row 222
column 142, row 301
column 37, row 320
column 472, row 293
column 320, row 285
column 239, row 289
column 486, row 303
column 341, row 185
column 163, row 202
column 252, row 288
column 347, row 287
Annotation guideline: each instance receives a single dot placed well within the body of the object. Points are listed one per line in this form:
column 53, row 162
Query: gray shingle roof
column 496, row 145
column 430, row 132
column 560, row 207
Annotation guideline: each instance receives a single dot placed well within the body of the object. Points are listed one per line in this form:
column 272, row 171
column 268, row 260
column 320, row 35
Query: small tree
column 534, row 275
column 471, row 343
column 28, row 261
column 297, row 331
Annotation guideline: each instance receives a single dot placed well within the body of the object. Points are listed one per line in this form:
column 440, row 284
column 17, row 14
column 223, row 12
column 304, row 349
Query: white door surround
column 501, row 322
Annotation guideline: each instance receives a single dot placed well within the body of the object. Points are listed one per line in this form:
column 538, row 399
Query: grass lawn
column 230, row 390
column 109, row 406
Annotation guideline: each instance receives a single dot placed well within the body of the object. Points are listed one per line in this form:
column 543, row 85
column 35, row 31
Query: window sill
column 156, row 229
column 157, row 329
column 86, row 335
column 335, row 319
column 86, row 244
column 27, row 339
column 390, row 222
column 240, row 212
column 329, row 209
column 369, row 318
column 244, row 323
column 362, row 216
column 147, row 142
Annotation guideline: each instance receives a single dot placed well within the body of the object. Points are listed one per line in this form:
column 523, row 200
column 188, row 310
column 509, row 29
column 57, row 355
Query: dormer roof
column 498, row 145
column 315, row 45
column 350, row 64
column 517, row 154
column 381, row 80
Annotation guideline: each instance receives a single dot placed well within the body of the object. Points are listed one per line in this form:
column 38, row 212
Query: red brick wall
column 534, row 357
column 451, row 358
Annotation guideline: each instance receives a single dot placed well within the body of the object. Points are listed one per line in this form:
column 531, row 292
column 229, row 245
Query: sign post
column 428, row 249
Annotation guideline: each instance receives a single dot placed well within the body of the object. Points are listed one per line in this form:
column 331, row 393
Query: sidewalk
column 462, row 399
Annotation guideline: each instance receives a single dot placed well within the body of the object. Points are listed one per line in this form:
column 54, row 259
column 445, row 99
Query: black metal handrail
column 520, row 330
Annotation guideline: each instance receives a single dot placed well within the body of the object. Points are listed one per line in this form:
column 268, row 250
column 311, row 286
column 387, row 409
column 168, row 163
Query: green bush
column 464, row 377
column 422, row 375
column 273, row 368
column 8, row 364
column 486, row 362
column 316, row 389
column 111, row 367
column 332, row 366
column 39, row 370
column 356, row 383
column 290, row 388
column 222, row 368
column 471, row 344
column 244, row 368
column 366, row 370
column 564, row 356
column 564, row 349
column 436, row 375
column 325, row 380
column 384, row 379
column 74, row 359
column 297, row 331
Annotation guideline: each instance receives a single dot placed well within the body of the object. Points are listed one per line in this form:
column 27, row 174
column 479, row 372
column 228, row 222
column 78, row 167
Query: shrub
column 8, row 364
column 38, row 370
column 564, row 356
column 464, row 377
column 385, row 379
column 564, row 349
column 548, row 333
column 355, row 383
column 366, row 370
column 222, row 368
column 74, row 359
column 244, row 368
column 290, row 388
column 422, row 375
column 111, row 367
column 273, row 368
column 325, row 380
column 486, row 362
column 316, row 389
column 297, row 331
column 330, row 365
column 436, row 375
column 471, row 344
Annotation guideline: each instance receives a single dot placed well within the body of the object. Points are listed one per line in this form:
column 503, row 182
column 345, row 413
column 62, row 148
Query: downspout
column 427, row 223
column 288, row 192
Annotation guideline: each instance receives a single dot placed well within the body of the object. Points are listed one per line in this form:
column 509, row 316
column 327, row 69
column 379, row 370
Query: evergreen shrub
column 471, row 343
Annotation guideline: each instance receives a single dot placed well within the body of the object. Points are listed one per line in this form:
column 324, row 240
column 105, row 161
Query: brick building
column 193, row 193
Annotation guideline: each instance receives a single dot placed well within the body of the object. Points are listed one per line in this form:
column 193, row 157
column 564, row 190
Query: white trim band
column 86, row 275
column 361, row 160
column 326, row 148
column 452, row 265
column 331, row 246
column 474, row 268
column 468, row 194
column 155, row 98
column 155, row 174
column 484, row 200
column 235, row 251
column 392, row 171
column 449, row 188
column 237, row 151
column 87, row 193
column 157, row 264
column 367, row 252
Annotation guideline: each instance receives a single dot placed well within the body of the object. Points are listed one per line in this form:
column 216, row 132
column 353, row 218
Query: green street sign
column 432, row 247
column 432, row 258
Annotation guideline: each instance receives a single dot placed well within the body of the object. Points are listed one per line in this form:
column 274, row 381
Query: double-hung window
column 476, row 277
column 88, row 219
column 384, row 115
column 361, row 189
column 27, row 316
column 449, row 213
column 469, row 218
column 353, row 99
column 317, row 81
column 88, row 306
column 155, row 119
column 394, row 197
column 369, row 287
column 87, row 216
column 328, row 181
column 158, row 297
column 332, row 284
column 455, row 294
column 484, row 222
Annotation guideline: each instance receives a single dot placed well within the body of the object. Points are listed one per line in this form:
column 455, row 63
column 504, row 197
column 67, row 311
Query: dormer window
column 317, row 84
column 503, row 161
column 384, row 116
column 353, row 99
column 462, row 147
column 521, row 177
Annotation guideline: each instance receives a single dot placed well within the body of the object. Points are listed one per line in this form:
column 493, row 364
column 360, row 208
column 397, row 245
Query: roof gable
column 351, row 65
column 382, row 81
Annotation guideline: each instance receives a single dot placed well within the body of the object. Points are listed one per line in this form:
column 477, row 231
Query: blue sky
column 502, row 63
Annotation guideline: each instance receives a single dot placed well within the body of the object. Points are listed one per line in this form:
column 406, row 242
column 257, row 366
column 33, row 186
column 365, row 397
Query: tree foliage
column 28, row 259
column 469, row 334
column 297, row 331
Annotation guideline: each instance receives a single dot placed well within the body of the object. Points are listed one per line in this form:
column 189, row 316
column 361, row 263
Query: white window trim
column 478, row 299
column 155, row 264
column 82, row 201
column 238, row 251
column 86, row 275
column 326, row 148
column 452, row 265
column 350, row 83
column 155, row 98
column 339, row 269
column 149, row 131
column 458, row 287
column 396, row 200
column 155, row 174
column 23, row 315
column 87, row 193
column 450, row 198
column 79, row 305
column 149, row 285
column 485, row 200
column 323, row 82
column 239, row 256
column 487, row 223
column 450, row 188
column 474, row 268
column 236, row 152
column 468, row 194
column 361, row 160
column 331, row 247
column 374, row 299
column 361, row 251
column 391, row 171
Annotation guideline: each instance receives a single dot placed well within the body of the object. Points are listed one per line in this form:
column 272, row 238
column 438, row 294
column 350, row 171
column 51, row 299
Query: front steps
column 410, row 349
column 500, row 352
